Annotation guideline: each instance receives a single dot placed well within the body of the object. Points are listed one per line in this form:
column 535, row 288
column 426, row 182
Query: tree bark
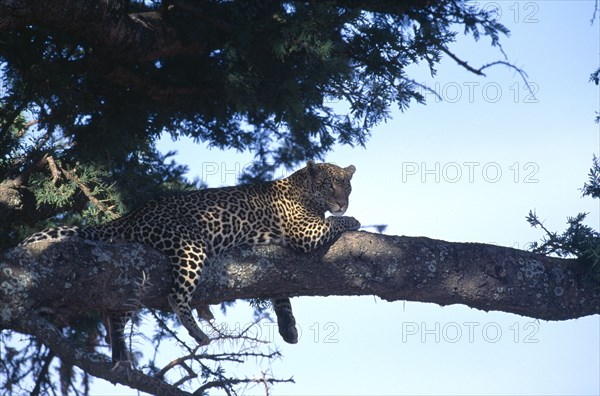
column 70, row 277
column 11, row 201
column 58, row 281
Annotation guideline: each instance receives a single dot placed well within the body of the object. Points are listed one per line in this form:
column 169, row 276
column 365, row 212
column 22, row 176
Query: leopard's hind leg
column 115, row 325
column 188, row 259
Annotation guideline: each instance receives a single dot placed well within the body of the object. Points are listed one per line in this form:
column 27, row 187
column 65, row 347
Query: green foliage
column 48, row 193
column 64, row 193
column 592, row 186
column 261, row 307
column 262, row 82
column 66, row 190
column 578, row 240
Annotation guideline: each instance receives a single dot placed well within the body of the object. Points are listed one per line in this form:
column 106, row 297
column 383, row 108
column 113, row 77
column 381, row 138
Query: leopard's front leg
column 339, row 225
column 320, row 231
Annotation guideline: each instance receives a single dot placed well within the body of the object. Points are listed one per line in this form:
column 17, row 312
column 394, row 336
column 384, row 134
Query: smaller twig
column 226, row 383
column 461, row 62
column 234, row 335
column 141, row 285
column 480, row 72
column 174, row 363
column 222, row 357
column 426, row 88
column 539, row 223
column 27, row 125
column 265, row 384
column 595, row 14
column 53, row 168
column 43, row 373
column 34, row 157
column 88, row 193
column 166, row 328
column 191, row 375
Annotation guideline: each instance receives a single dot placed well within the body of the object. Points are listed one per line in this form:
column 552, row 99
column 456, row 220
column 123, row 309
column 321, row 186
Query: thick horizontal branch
column 59, row 281
column 71, row 277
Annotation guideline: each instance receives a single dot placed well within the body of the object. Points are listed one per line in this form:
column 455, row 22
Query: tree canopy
column 99, row 85
column 89, row 86
column 253, row 75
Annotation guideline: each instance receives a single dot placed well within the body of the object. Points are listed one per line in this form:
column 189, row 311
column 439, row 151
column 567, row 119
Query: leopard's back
column 219, row 218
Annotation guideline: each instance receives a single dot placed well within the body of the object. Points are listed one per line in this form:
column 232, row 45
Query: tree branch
column 17, row 204
column 86, row 191
column 65, row 279
column 41, row 378
column 480, row 70
column 73, row 276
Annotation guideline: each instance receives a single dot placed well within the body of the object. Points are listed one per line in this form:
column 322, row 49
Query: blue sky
column 468, row 168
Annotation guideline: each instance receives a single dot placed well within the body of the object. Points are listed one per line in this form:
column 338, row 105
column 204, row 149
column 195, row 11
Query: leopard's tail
column 93, row 233
column 285, row 319
column 52, row 233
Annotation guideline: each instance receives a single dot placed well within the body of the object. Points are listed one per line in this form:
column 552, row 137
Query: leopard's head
column 329, row 186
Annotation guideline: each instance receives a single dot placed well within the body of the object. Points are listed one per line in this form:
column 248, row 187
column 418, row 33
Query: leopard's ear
column 350, row 170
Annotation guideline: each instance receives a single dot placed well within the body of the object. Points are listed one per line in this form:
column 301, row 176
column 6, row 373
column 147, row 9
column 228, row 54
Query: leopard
column 191, row 228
